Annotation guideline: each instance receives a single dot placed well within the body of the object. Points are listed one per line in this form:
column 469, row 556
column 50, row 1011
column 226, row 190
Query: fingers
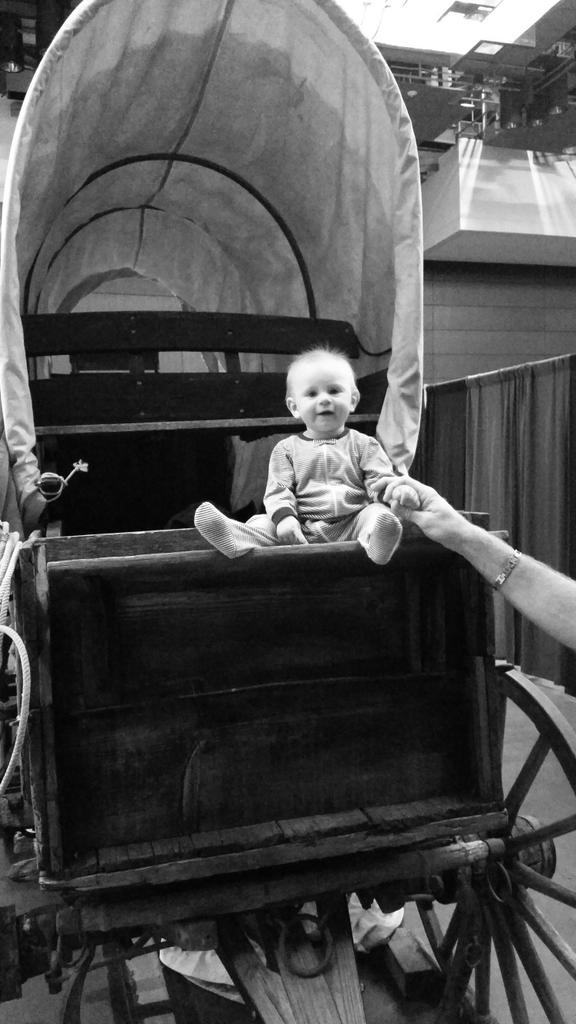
column 417, row 494
column 397, row 481
column 406, row 497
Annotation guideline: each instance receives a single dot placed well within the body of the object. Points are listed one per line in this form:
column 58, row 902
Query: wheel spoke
column 433, row 931
column 508, row 965
column 533, row 967
column 482, row 976
column 557, row 828
column 549, row 721
column 449, row 940
column 525, row 778
column 525, row 906
column 526, row 876
column 458, row 972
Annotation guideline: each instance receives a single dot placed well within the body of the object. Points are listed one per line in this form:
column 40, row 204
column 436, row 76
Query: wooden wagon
column 218, row 750
column 218, row 753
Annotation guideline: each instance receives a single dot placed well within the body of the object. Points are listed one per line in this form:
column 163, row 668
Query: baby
column 324, row 484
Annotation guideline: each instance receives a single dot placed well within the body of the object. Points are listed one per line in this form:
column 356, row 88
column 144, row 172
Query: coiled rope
column 12, row 546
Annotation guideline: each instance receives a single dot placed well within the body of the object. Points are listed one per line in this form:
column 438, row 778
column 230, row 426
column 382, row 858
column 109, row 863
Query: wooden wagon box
column 193, row 716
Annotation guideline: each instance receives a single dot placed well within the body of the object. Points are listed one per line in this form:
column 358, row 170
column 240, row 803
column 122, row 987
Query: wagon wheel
column 496, row 917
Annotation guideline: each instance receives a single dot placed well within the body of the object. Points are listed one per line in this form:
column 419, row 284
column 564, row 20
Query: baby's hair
column 310, row 355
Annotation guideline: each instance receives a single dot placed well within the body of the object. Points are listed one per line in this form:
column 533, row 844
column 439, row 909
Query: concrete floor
column 550, row 799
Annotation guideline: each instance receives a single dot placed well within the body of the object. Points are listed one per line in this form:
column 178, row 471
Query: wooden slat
column 262, row 986
column 117, row 873
column 311, row 1000
column 163, row 398
column 38, row 788
column 206, row 844
column 257, row 889
column 108, row 397
column 397, row 824
column 145, row 542
column 247, row 427
column 238, row 735
column 52, row 795
column 173, row 569
column 342, row 975
column 324, row 825
column 70, row 333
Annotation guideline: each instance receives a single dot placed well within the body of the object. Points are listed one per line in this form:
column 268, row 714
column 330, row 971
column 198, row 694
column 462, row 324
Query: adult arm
column 544, row 596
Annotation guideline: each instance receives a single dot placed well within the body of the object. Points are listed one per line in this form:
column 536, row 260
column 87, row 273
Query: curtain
column 441, row 453
column 518, row 470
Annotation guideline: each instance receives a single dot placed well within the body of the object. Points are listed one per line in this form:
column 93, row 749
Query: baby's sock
column 382, row 534
column 229, row 536
column 221, row 532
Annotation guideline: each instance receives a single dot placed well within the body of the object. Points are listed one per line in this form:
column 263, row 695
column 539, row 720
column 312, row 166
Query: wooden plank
column 485, row 731
column 164, row 331
column 342, row 975
column 295, row 855
column 206, row 756
column 203, row 633
column 255, row 426
column 38, row 788
column 32, row 612
column 110, row 398
column 145, row 542
column 203, row 845
column 52, row 795
column 262, row 888
column 262, row 987
column 447, row 808
column 311, row 999
column 323, row 561
column 113, row 858
column 398, row 823
column 411, row 585
column 318, row 825
column 41, row 597
column 25, row 612
column 410, row 965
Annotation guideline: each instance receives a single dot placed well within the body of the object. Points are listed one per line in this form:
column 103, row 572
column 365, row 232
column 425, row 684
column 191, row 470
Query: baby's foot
column 217, row 529
column 385, row 537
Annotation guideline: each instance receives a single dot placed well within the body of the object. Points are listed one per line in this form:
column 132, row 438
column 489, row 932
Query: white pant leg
column 378, row 530
column 229, row 536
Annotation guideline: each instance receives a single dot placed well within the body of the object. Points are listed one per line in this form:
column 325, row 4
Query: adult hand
column 289, row 531
column 434, row 516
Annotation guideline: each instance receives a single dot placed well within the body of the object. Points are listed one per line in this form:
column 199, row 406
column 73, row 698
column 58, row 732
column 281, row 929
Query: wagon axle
column 47, row 940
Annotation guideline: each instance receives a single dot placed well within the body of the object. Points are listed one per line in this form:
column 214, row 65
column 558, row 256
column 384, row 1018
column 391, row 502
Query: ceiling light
column 487, row 49
column 424, row 25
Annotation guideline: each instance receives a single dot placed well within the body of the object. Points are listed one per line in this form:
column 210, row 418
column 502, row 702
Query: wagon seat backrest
column 163, row 421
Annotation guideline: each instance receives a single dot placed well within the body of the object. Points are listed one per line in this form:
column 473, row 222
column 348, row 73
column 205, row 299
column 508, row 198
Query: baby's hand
column 406, row 496
column 289, row 531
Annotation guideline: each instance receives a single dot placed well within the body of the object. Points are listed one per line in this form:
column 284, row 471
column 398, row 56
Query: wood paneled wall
column 480, row 317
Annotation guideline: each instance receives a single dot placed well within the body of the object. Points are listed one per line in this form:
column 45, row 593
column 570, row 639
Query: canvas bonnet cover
column 178, row 140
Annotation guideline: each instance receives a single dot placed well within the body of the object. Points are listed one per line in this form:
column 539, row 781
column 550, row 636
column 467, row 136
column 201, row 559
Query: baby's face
column 322, row 394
